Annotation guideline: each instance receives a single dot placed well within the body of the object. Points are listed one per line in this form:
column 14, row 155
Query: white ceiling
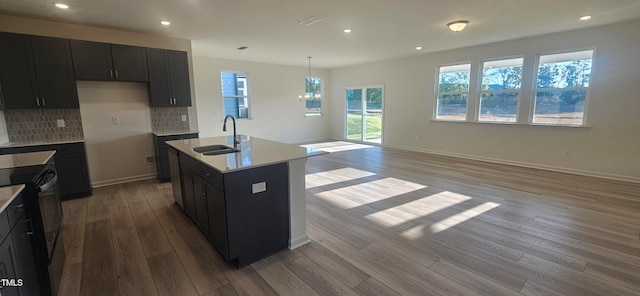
column 382, row 29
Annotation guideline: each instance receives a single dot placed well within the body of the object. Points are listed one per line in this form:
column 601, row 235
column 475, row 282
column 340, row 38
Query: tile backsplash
column 40, row 125
column 169, row 119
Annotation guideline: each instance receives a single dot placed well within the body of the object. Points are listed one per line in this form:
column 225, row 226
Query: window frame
column 246, row 96
column 535, row 89
column 438, row 93
column 306, row 111
column 480, row 91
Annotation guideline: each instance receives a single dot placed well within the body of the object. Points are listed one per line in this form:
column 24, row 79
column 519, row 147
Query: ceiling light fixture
column 585, row 18
column 62, row 6
column 165, row 23
column 347, row 30
column 418, row 47
column 309, row 94
column 457, row 26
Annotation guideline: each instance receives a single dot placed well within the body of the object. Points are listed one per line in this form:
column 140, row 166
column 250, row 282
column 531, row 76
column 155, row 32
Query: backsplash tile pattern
column 169, row 119
column 40, row 125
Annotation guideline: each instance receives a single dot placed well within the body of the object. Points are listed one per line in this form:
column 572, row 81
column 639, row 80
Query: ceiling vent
column 242, row 48
column 310, row 21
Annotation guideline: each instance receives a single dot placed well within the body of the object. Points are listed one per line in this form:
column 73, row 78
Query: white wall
column 276, row 112
column 610, row 147
column 116, row 153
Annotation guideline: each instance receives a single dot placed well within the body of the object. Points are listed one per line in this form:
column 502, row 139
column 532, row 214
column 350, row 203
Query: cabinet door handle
column 111, row 74
column 170, row 101
column 44, row 103
column 30, row 232
column 116, row 74
column 38, row 102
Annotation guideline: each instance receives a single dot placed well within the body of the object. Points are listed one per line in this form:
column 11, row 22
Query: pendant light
column 309, row 92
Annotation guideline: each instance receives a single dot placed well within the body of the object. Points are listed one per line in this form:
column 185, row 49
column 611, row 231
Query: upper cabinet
column 37, row 72
column 103, row 61
column 168, row 78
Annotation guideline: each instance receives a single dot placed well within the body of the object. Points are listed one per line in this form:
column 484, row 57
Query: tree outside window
column 562, row 87
column 453, row 92
column 313, row 96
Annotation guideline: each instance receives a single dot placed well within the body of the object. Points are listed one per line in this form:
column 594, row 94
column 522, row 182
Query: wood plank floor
column 382, row 222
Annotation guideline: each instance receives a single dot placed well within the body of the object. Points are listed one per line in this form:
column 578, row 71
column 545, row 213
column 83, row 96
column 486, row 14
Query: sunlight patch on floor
column 369, row 192
column 463, row 216
column 336, row 146
column 335, row 176
column 419, row 207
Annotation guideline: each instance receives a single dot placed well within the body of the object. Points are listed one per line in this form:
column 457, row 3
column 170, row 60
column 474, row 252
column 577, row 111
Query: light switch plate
column 115, row 120
column 258, row 187
column 60, row 122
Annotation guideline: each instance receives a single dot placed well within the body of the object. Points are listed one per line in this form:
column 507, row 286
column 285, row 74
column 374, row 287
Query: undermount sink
column 214, row 149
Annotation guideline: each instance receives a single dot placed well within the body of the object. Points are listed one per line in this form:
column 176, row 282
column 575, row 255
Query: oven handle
column 50, row 183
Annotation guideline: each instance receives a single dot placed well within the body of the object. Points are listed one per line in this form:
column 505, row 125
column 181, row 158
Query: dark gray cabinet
column 243, row 222
column 162, row 157
column 36, row 72
column 168, row 78
column 71, row 165
column 103, row 61
column 17, row 257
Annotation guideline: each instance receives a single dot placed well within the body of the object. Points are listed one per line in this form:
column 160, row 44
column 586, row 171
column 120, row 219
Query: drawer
column 4, row 226
column 69, row 148
column 15, row 210
column 212, row 176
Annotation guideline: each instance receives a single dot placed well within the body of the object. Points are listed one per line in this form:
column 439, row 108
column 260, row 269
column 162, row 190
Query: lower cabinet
column 71, row 165
column 243, row 222
column 17, row 257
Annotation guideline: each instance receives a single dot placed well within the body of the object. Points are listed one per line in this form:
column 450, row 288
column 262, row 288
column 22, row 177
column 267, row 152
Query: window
column 235, row 94
column 562, row 87
column 313, row 96
column 453, row 91
column 500, row 90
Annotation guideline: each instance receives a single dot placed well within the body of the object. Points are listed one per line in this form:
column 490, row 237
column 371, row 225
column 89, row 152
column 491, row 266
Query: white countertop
column 254, row 152
column 16, row 160
column 8, row 194
column 38, row 143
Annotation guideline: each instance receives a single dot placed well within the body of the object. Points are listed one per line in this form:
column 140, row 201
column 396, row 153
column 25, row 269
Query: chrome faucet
column 224, row 129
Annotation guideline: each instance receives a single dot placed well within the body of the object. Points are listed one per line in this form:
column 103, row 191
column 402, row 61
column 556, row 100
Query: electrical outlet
column 115, row 120
column 150, row 159
column 60, row 122
column 184, row 117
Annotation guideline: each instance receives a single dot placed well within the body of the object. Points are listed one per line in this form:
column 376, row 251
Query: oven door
column 50, row 208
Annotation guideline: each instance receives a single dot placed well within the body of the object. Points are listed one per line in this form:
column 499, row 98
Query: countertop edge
column 30, row 144
column 177, row 133
column 17, row 190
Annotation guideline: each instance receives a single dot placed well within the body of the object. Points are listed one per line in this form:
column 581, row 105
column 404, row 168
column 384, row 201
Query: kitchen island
column 250, row 203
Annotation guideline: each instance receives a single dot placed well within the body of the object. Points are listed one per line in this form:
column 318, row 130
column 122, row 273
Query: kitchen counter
column 254, row 152
column 175, row 133
column 9, row 161
column 38, row 143
column 244, row 174
column 8, row 194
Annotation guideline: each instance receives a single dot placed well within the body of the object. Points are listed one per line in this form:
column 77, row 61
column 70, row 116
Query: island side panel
column 297, row 204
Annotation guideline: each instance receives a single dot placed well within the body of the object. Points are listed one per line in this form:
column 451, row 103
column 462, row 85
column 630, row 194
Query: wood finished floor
column 382, row 222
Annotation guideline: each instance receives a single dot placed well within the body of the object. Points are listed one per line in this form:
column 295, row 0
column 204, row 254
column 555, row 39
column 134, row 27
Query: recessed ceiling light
column 418, row 47
column 585, row 18
column 165, row 23
column 62, row 6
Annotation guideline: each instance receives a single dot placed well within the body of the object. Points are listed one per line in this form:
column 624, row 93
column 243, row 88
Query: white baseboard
column 299, row 242
column 122, row 180
column 526, row 165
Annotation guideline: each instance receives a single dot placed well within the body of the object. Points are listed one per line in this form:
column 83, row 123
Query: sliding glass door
column 364, row 113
